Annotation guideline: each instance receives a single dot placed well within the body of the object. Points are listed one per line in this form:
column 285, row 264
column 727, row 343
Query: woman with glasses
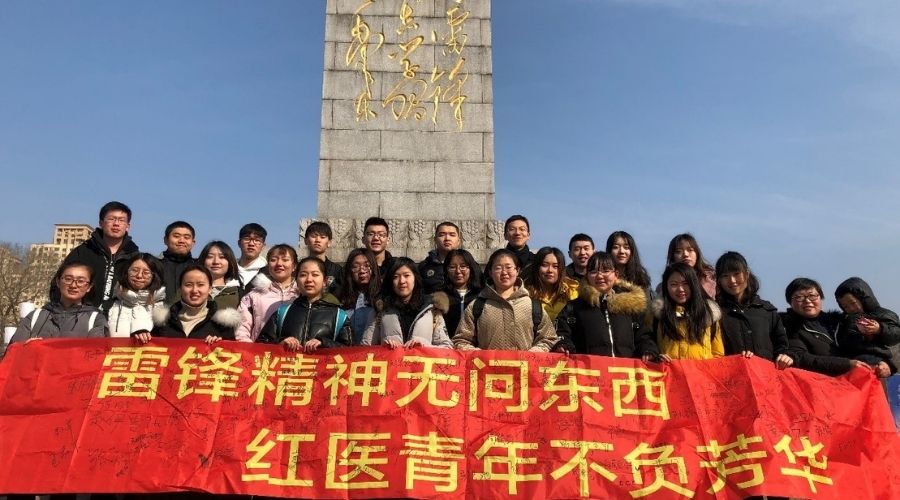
column 462, row 283
column 139, row 289
column 360, row 288
column 68, row 316
column 504, row 316
column 607, row 317
column 811, row 331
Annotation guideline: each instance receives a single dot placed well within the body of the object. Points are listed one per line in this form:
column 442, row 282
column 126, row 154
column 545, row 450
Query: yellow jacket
column 553, row 305
column 711, row 347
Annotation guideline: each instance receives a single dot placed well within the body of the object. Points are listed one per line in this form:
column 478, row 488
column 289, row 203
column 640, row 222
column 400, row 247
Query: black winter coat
column 219, row 322
column 305, row 321
column 457, row 308
column 754, row 327
column 95, row 254
column 334, row 277
column 812, row 343
column 173, row 264
column 884, row 346
column 606, row 326
column 432, row 272
column 526, row 258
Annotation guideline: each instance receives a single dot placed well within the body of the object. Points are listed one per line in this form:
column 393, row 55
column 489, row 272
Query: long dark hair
column 156, row 271
column 701, row 267
column 349, row 292
column 697, row 315
column 474, row 283
column 733, row 262
column 533, row 281
column 391, row 299
column 226, row 250
column 634, row 271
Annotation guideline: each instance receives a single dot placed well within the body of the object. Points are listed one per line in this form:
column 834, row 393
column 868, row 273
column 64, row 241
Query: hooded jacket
column 95, row 254
column 553, row 305
column 754, row 327
column 219, row 322
column 428, row 325
column 173, row 264
column 131, row 311
column 712, row 345
column 258, row 305
column 305, row 321
column 607, row 325
column 812, row 343
column 57, row 322
column 884, row 345
column 505, row 324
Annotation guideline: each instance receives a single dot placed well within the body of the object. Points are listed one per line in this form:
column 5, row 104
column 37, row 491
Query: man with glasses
column 446, row 238
column 376, row 236
column 108, row 248
column 252, row 241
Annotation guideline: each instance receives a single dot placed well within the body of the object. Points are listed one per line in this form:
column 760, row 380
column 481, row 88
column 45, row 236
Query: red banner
column 109, row 416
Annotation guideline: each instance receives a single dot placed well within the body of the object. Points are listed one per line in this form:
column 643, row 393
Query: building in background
column 65, row 238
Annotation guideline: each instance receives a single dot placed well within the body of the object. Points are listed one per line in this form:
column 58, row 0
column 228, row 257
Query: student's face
column 621, row 251
column 115, row 224
column 684, row 252
column 180, row 241
column 251, row 245
column 195, row 288
column 581, row 252
column 311, row 280
column 139, row 275
column 360, row 271
column 807, row 303
column 459, row 272
column 403, row 282
column 735, row 283
column 517, row 233
column 850, row 304
column 375, row 238
column 317, row 243
column 281, row 266
column 504, row 273
column 549, row 271
column 677, row 286
column 602, row 280
column 74, row 283
column 447, row 239
column 216, row 263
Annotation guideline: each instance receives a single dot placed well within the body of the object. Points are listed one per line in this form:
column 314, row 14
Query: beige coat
column 505, row 324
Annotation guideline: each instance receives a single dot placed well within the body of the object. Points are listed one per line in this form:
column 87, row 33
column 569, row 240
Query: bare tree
column 25, row 276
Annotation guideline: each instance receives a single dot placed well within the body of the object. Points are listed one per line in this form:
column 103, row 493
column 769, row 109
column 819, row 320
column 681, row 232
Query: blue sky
column 763, row 126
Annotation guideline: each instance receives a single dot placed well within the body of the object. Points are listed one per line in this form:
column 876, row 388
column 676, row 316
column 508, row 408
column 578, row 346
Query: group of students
column 602, row 303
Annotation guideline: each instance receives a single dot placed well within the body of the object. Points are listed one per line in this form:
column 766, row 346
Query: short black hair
column 180, row 224
column 115, row 206
column 802, row 284
column 376, row 221
column 318, row 227
column 580, row 237
column 446, row 223
column 514, row 218
column 251, row 229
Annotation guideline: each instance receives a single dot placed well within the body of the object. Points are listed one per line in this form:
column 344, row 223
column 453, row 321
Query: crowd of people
column 602, row 303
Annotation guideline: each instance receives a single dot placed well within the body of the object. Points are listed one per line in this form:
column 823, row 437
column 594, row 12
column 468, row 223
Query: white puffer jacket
column 131, row 311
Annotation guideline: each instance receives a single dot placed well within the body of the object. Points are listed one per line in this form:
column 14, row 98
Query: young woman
column 750, row 325
column 547, row 281
column 360, row 288
column 811, row 331
column 195, row 316
column 462, row 283
column 504, row 316
column 68, row 317
column 405, row 316
column 218, row 257
column 684, row 248
column 312, row 320
column 607, row 317
column 270, row 290
column 685, row 322
column 621, row 246
column 867, row 331
column 139, row 290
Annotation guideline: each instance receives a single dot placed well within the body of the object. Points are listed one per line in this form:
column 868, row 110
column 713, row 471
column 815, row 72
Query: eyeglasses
column 500, row 269
column 116, row 219
column 380, row 235
column 806, row 298
column 253, row 239
column 79, row 282
column 595, row 272
column 454, row 269
column 140, row 273
column 357, row 268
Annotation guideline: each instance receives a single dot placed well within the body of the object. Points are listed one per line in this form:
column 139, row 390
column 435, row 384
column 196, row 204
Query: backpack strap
column 279, row 317
column 477, row 309
column 339, row 321
column 537, row 313
column 91, row 320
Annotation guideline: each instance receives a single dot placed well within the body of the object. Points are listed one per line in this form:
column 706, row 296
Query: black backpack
column 537, row 312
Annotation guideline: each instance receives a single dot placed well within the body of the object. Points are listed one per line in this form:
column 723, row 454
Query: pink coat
column 260, row 303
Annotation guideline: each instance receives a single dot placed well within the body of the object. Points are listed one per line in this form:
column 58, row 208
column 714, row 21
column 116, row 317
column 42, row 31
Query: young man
column 251, row 241
column 376, row 236
column 108, row 247
column 446, row 238
column 581, row 247
column 318, row 239
column 517, row 232
column 179, row 240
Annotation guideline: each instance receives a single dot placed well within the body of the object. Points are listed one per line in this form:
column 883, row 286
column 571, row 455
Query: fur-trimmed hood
column 625, row 298
column 656, row 308
column 227, row 316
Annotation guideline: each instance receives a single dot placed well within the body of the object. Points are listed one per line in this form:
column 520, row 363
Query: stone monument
column 407, row 124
